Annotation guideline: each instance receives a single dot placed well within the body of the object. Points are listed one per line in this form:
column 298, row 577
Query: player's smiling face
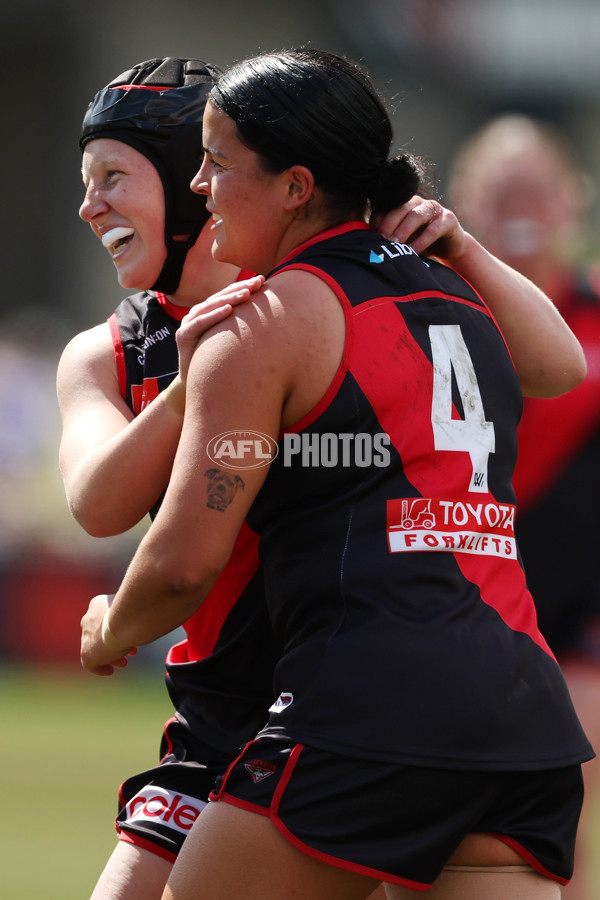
column 243, row 198
column 125, row 206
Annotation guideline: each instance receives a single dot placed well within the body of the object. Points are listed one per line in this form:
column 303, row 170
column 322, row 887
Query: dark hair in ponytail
column 313, row 108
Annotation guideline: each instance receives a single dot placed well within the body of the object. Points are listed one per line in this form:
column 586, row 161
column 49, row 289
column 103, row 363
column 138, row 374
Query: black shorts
column 400, row 823
column 158, row 807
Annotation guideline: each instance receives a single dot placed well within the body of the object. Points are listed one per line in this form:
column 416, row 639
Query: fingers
column 425, row 225
column 94, row 653
column 231, row 295
column 211, row 311
column 101, row 670
column 105, row 669
column 198, row 320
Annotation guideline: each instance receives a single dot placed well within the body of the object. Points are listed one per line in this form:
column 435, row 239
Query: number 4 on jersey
column 471, row 434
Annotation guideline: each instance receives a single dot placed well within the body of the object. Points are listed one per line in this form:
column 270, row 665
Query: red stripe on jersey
column 176, row 312
column 400, row 356
column 119, row 354
column 497, row 584
column 313, row 414
column 552, row 431
column 399, row 398
column 324, row 235
column 141, row 87
column 420, row 295
column 204, row 627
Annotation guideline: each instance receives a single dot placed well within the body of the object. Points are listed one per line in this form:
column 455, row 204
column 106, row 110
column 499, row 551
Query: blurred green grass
column 68, row 741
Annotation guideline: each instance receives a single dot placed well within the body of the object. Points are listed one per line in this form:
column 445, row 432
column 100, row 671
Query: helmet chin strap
column 156, row 107
column 170, row 275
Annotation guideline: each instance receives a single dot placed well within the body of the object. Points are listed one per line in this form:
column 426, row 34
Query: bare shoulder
column 87, row 358
column 87, row 350
column 288, row 341
column 295, row 312
column 95, row 341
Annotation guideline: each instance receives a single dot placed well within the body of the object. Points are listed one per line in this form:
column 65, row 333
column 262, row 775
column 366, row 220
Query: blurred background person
column 518, row 187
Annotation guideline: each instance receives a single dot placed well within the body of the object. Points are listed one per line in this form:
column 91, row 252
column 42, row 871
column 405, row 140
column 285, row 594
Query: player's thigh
column 484, row 883
column 132, row 873
column 231, row 852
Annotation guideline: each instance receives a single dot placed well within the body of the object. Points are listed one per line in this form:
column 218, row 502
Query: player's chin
column 136, row 278
column 223, row 252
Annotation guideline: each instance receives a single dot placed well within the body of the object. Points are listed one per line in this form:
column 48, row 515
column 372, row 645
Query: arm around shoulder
column 194, row 532
column 548, row 357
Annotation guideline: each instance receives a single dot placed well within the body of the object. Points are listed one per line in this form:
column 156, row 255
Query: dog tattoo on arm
column 222, row 488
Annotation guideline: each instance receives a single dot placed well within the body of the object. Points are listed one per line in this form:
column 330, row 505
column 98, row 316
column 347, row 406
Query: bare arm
column 548, row 357
column 270, row 365
column 114, row 465
column 190, row 540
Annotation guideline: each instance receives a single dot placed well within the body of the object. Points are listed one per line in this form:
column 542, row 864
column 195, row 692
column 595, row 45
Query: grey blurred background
column 443, row 66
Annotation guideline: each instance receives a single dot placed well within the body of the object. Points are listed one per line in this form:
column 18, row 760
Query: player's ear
column 300, row 185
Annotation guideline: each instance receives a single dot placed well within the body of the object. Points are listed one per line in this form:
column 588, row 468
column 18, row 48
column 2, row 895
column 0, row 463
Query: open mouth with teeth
column 116, row 238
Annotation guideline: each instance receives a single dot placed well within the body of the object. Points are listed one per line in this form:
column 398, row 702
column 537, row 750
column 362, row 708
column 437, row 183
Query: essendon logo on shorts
column 154, row 804
column 259, row 770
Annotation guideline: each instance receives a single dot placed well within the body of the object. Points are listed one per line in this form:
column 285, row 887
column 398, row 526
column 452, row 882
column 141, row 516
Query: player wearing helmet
column 141, row 145
column 156, row 108
column 415, row 657
column 141, row 139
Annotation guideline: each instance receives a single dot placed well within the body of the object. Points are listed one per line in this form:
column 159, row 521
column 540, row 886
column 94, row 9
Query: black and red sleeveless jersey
column 220, row 677
column 557, row 482
column 387, row 534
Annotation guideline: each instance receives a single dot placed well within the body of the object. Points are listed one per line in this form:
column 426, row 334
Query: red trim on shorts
column 216, row 795
column 167, row 739
column 145, row 844
column 243, row 804
column 529, row 858
column 273, row 812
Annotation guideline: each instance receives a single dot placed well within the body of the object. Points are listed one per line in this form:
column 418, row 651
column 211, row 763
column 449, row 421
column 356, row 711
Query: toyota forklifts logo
column 242, row 449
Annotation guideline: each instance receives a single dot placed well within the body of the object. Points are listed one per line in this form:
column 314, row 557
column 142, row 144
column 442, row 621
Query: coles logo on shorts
column 155, row 804
column 424, row 523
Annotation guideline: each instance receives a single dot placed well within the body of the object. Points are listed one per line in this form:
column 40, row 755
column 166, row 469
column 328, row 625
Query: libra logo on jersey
column 391, row 250
column 242, row 449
